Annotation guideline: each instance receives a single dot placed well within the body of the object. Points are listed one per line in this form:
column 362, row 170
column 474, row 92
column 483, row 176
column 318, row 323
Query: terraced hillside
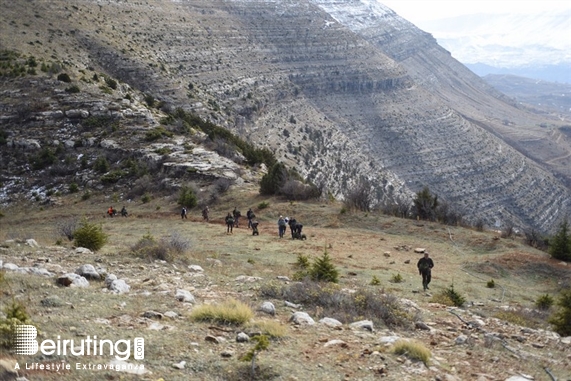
column 340, row 90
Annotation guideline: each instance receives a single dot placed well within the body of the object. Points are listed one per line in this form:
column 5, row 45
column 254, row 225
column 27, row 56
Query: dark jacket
column 425, row 264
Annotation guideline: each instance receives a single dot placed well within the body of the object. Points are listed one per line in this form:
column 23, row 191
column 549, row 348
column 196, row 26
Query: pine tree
column 561, row 320
column 560, row 247
column 425, row 205
column 323, row 270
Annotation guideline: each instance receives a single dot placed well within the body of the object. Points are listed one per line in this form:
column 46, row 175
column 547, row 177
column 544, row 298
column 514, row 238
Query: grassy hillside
column 488, row 338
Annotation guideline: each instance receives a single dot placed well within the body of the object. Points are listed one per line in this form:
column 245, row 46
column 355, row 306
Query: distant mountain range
column 535, row 46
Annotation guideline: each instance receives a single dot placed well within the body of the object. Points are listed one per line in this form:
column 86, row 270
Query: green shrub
column 262, row 343
column 112, row 177
column 15, row 315
column 560, row 244
column 263, row 205
column 302, row 262
column 231, row 312
column 375, row 281
column 90, row 236
column 146, row 198
column 187, row 198
column 101, row 165
column 272, row 181
column 413, row 350
column 457, row 299
column 544, row 302
column 86, row 195
column 491, row 284
column 74, row 89
column 561, row 320
column 323, row 269
column 43, row 159
column 157, row 133
column 64, row 77
column 397, row 278
column 111, row 83
column 73, row 188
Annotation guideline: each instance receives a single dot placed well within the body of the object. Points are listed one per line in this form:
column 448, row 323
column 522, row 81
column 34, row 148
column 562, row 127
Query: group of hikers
column 233, row 221
column 112, row 212
column 294, row 226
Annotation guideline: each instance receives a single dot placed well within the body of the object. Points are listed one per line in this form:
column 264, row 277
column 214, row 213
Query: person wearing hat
column 425, row 265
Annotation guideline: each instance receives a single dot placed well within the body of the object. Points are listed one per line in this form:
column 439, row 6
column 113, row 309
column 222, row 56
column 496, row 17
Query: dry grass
column 413, row 350
column 231, row 312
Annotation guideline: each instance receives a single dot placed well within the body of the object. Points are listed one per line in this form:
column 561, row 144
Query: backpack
column 281, row 222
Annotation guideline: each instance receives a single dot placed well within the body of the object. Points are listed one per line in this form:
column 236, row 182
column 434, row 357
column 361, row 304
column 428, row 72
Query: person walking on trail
column 250, row 216
column 229, row 223
column 236, row 214
column 205, row 212
column 292, row 226
column 281, row 226
column 124, row 211
column 425, row 265
column 183, row 213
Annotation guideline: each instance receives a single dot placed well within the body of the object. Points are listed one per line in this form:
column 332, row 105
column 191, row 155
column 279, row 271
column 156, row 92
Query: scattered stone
column 300, row 318
column 32, row 243
column 119, row 286
column 462, row 339
column 330, row 322
column 242, row 337
column 184, row 296
column 10, row 266
column 72, row 280
column 421, row 325
column 388, row 339
column 420, row 250
column 387, row 254
column 171, row 314
column 179, row 365
column 152, row 315
column 336, row 342
column 363, row 324
column 52, row 301
column 88, row 272
column 227, row 353
column 292, row 305
column 212, row 339
column 247, row 279
column 284, row 278
column 195, row 268
column 268, row 308
column 519, row 378
column 83, row 250
column 109, row 279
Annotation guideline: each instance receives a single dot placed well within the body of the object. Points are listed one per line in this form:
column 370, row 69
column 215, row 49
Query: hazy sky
column 417, row 11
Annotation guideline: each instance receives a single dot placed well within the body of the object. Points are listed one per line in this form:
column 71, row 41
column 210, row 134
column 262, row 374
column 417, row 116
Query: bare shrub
column 449, row 214
column 297, row 190
column 148, row 248
column 360, row 196
column 67, row 227
column 222, row 184
column 508, row 230
column 534, row 239
column 332, row 301
column 177, row 243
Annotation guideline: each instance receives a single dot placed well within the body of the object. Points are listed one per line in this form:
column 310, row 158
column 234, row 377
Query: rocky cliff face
column 339, row 89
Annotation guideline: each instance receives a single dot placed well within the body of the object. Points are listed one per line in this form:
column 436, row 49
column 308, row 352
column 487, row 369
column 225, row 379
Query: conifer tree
column 323, row 270
column 560, row 247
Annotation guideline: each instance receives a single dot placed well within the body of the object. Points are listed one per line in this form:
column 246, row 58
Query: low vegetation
column 90, row 236
column 413, row 350
column 230, row 312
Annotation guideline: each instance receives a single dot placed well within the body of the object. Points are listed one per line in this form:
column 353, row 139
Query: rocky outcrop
column 341, row 90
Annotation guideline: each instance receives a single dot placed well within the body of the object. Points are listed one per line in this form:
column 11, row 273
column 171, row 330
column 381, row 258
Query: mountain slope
column 339, row 100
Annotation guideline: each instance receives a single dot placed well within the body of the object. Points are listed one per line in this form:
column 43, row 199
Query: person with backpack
column 205, row 212
column 124, row 211
column 229, row 223
column 281, row 226
column 255, row 228
column 183, row 213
